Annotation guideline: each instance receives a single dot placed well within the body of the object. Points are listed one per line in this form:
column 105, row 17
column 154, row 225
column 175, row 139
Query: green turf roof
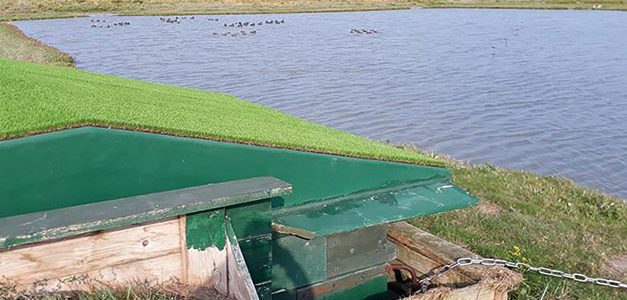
column 36, row 98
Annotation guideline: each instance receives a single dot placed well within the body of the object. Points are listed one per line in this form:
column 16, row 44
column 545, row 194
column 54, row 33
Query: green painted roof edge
column 75, row 220
column 33, row 83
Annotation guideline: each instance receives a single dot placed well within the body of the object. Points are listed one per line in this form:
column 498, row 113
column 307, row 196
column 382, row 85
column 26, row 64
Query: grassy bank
column 15, row 45
column 20, row 9
column 542, row 220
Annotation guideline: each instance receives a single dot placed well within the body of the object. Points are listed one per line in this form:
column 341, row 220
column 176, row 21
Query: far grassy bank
column 23, row 10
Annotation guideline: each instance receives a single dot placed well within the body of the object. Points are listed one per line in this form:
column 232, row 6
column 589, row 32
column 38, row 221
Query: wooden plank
column 183, row 248
column 472, row 292
column 423, row 265
column 205, row 249
column 207, row 268
column 424, row 251
column 155, row 270
column 432, row 247
column 240, row 284
column 359, row 249
column 71, row 221
column 98, row 251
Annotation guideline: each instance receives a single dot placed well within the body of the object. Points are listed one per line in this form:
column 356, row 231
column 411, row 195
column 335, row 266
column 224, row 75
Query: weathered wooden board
column 424, row 251
column 205, row 250
column 240, row 284
column 359, row 249
column 49, row 261
column 154, row 270
column 71, row 221
column 297, row 262
column 473, row 292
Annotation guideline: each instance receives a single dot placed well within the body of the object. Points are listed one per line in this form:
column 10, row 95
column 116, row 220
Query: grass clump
column 545, row 221
column 36, row 98
column 96, row 290
column 15, row 45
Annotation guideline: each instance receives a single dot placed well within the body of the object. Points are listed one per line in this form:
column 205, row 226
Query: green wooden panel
column 374, row 207
column 68, row 221
column 297, row 262
column 86, row 165
column 373, row 289
column 369, row 283
column 257, row 252
column 242, row 275
column 264, row 291
column 205, row 229
column 251, row 219
column 359, row 249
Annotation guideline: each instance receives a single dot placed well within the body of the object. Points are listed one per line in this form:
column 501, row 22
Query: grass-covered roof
column 36, row 98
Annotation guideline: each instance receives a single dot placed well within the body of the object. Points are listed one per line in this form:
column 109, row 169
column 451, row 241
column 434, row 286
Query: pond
column 539, row 90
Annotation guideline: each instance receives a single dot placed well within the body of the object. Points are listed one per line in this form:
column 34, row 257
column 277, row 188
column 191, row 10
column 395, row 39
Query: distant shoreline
column 60, row 9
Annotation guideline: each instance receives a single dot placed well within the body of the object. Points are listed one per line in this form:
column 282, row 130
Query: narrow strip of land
column 21, row 10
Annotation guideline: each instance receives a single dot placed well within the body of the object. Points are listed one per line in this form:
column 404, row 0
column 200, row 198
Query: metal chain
column 466, row 261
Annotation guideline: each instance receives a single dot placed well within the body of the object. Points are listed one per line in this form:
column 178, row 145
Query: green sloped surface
column 374, row 208
column 36, row 98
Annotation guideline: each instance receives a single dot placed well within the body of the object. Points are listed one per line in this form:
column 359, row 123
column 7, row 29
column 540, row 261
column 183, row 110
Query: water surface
column 540, row 90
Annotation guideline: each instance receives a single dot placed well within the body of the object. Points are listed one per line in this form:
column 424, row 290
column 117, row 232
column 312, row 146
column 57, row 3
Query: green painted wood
column 258, row 254
column 359, row 249
column 369, row 283
column 252, row 225
column 297, row 262
column 91, row 217
column 87, row 165
column 241, row 270
column 251, row 219
column 376, row 207
column 264, row 291
column 373, row 289
column 205, row 229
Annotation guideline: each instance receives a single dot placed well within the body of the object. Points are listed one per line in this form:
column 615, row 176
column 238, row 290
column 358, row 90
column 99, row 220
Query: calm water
column 544, row 91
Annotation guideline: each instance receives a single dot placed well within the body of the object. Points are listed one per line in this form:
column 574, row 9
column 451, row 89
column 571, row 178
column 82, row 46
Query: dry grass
column 96, row 290
column 15, row 45
column 26, row 9
column 29, row 9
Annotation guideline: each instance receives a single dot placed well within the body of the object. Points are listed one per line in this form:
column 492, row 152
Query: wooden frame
column 138, row 238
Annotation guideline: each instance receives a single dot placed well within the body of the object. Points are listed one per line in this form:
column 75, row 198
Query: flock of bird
column 234, row 34
column 177, row 20
column 240, row 24
column 366, row 31
column 99, row 23
column 245, row 24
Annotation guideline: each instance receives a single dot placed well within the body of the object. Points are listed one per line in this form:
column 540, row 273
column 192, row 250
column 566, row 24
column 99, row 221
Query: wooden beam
column 424, row 251
column 240, row 284
column 71, row 221
column 85, row 254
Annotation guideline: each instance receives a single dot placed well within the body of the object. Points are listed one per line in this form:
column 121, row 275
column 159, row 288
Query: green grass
column 554, row 222
column 37, row 98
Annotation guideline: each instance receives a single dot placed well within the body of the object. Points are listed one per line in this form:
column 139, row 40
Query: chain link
column 466, row 261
